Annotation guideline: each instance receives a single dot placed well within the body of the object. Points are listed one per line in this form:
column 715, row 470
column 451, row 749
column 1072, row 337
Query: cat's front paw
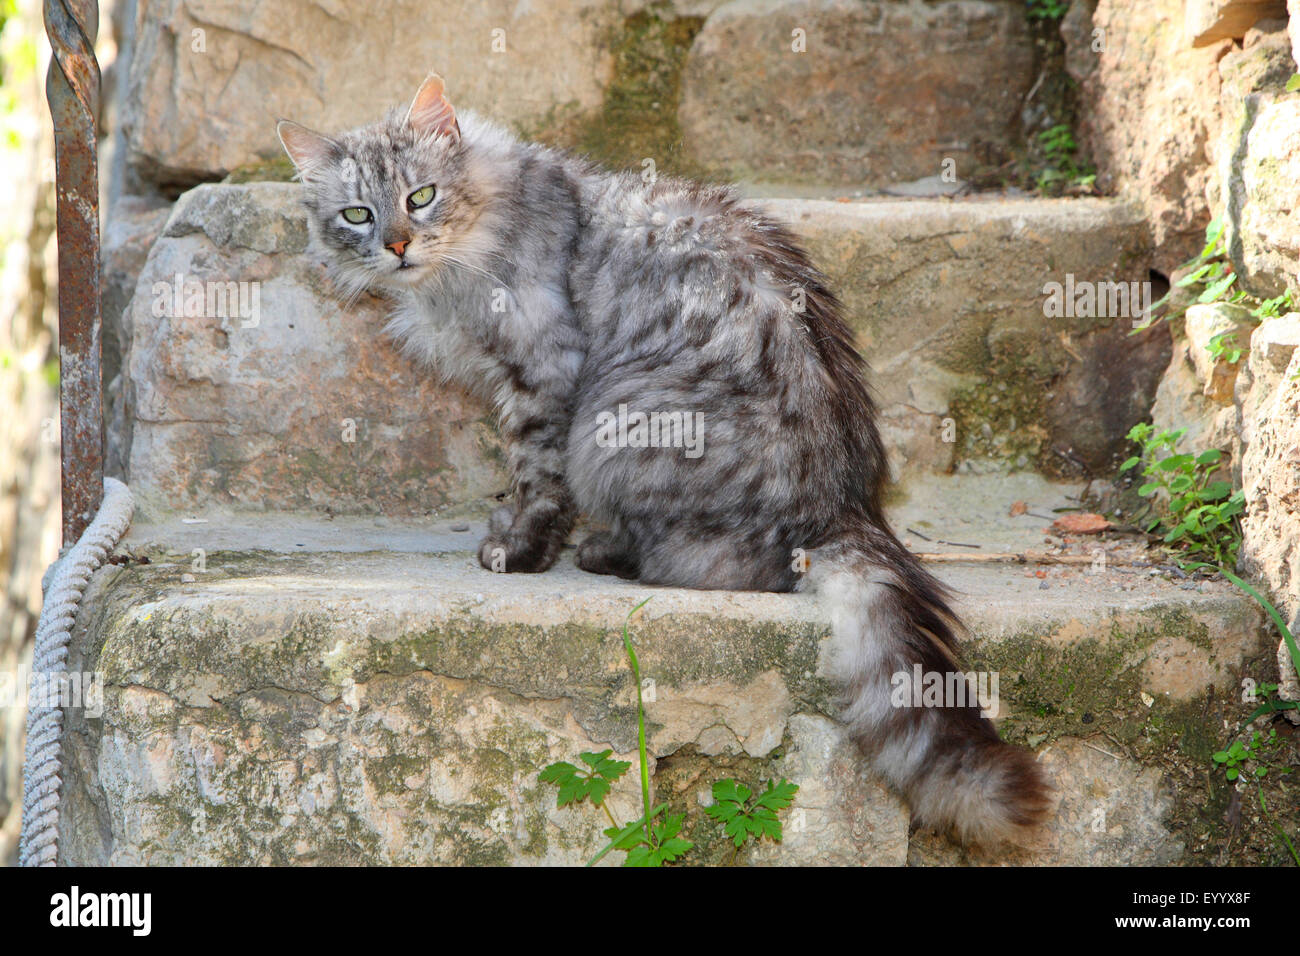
column 508, row 553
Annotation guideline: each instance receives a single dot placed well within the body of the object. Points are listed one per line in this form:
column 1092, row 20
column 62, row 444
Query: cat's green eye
column 421, row 197
column 356, row 215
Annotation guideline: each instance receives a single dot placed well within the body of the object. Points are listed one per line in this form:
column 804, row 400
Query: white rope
column 68, row 577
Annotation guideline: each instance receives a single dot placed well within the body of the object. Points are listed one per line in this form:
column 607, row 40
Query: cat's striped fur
column 559, row 292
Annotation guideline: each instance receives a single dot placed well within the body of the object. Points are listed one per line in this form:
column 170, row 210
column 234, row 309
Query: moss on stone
column 278, row 169
column 1003, row 417
column 638, row 118
column 281, row 685
column 1087, row 686
column 389, row 773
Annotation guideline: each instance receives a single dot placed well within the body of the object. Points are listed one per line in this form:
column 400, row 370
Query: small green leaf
column 731, row 790
column 778, row 796
column 738, row 829
column 724, row 811
column 641, row 856
column 557, row 771
column 593, row 760
column 1215, row 290
column 1216, row 491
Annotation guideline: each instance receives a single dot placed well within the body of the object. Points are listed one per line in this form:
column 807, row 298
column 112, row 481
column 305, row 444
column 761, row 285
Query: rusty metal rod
column 72, row 89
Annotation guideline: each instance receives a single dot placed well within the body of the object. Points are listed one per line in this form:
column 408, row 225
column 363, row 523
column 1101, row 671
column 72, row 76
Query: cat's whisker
column 447, row 257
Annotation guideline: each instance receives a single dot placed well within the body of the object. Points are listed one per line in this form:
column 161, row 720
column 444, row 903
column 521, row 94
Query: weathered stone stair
column 356, row 690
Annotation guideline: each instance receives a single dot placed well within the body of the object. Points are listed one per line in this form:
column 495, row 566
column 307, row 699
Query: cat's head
column 393, row 202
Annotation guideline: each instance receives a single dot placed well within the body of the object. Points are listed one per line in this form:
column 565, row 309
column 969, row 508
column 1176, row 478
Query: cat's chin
column 405, row 276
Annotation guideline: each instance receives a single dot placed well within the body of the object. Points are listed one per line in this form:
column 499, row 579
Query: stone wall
column 1187, row 114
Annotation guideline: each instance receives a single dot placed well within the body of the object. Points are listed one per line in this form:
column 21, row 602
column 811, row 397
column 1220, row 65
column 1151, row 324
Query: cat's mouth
column 405, row 271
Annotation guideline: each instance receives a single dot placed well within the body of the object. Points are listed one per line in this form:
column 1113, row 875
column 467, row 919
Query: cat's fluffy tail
column 888, row 615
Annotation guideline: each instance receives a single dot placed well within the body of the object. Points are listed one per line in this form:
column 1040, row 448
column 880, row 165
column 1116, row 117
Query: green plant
column 1235, row 757
column 1272, row 308
column 1212, row 270
column 649, row 840
column 1046, row 9
column 1224, row 346
column 1058, row 142
column 744, row 814
column 1059, row 148
column 577, row 784
column 1250, row 761
column 1202, row 515
column 1270, row 705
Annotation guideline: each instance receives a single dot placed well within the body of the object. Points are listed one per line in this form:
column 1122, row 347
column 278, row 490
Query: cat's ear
column 431, row 112
column 308, row 150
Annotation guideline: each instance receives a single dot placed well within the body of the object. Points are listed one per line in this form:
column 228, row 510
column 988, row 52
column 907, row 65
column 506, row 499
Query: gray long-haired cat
column 568, row 296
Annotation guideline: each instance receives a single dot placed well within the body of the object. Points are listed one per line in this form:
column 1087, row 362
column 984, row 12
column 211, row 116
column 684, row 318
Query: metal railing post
column 72, row 89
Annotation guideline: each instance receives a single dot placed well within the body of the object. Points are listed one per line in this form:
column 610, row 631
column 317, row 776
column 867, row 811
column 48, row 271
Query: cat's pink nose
column 398, row 247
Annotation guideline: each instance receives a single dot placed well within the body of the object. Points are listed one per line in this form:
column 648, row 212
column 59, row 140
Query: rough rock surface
column 395, row 708
column 290, row 400
column 1271, row 460
column 1293, row 29
column 1268, row 226
column 855, row 92
column 131, row 226
column 1150, row 117
column 1181, row 402
column 1077, row 34
column 1210, row 21
column 949, row 302
column 1199, row 393
column 1232, row 326
column 209, row 78
column 1107, row 811
column 1258, row 165
column 1255, row 426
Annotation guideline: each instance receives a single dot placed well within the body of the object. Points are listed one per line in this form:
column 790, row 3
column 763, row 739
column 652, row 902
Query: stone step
column 299, row 690
column 856, row 93
column 296, row 402
column 820, row 90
